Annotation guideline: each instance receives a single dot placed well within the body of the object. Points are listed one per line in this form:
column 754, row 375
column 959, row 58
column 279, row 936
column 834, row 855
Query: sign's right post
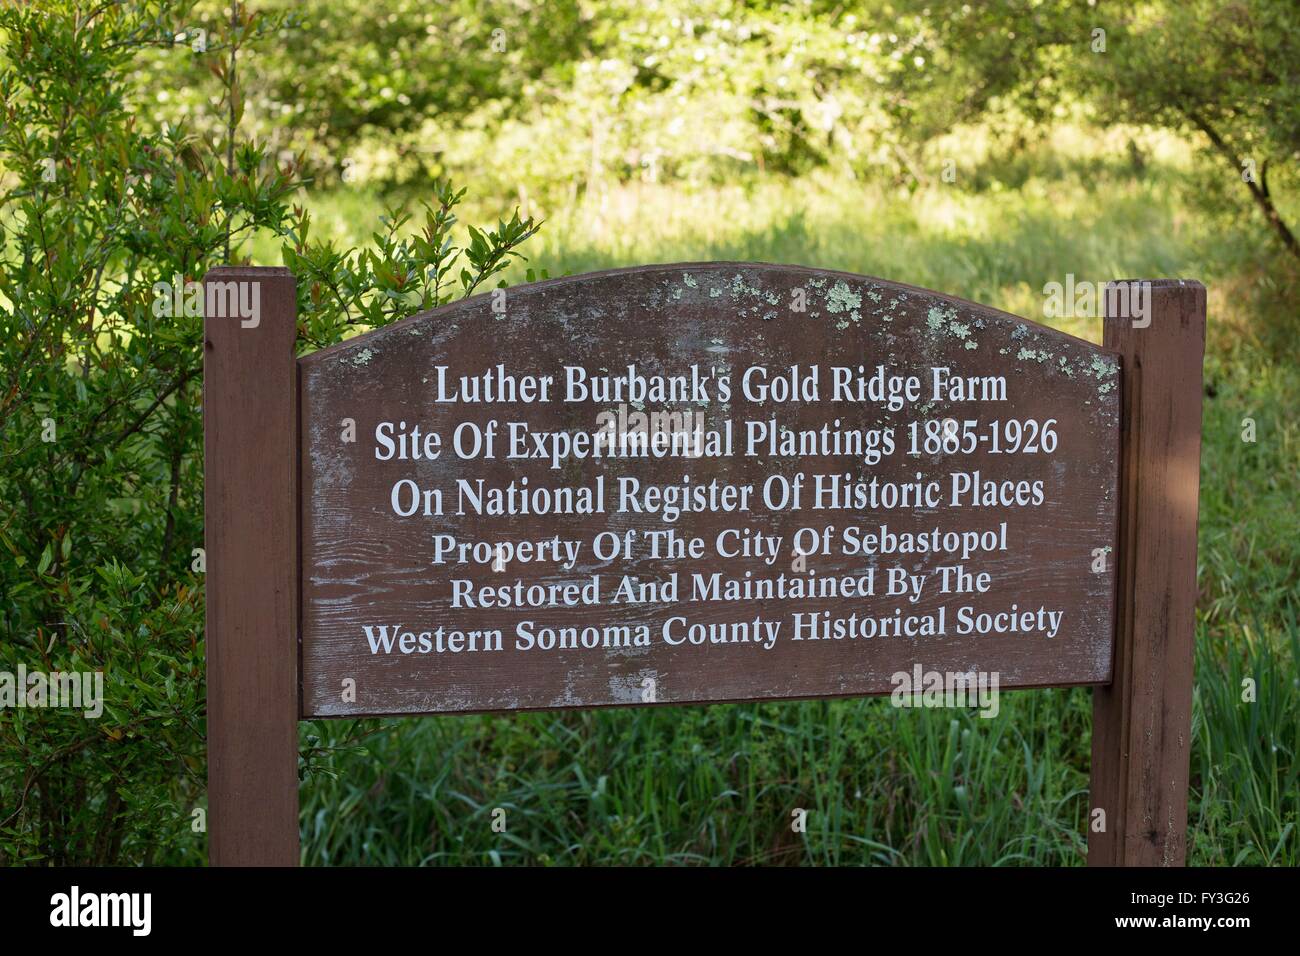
column 1142, row 720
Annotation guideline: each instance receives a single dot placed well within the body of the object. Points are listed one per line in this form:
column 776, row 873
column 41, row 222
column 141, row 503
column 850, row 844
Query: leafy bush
column 101, row 472
column 548, row 100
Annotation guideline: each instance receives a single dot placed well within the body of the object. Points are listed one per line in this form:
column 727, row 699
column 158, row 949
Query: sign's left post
column 250, row 445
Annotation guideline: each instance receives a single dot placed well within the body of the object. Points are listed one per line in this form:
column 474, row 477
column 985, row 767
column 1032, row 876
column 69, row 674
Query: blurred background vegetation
column 982, row 150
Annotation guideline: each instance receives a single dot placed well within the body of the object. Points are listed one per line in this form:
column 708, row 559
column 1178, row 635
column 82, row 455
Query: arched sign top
column 753, row 291
column 702, row 482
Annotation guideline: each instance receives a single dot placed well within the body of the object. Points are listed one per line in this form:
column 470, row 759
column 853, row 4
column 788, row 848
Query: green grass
column 718, row 785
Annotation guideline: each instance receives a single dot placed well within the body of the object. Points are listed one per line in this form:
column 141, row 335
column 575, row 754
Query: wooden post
column 250, row 425
column 1141, row 733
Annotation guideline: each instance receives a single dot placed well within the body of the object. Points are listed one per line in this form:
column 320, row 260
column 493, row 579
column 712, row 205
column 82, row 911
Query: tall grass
column 723, row 784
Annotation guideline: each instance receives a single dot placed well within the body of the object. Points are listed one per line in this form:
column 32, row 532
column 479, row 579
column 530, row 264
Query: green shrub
column 101, row 471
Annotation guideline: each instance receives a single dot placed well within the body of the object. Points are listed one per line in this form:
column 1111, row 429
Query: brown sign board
column 702, row 482
column 982, row 526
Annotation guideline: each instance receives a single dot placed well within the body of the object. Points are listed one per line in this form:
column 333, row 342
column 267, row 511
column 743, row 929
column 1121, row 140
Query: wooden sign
column 700, row 483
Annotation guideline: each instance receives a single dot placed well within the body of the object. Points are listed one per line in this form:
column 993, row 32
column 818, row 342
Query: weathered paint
column 360, row 564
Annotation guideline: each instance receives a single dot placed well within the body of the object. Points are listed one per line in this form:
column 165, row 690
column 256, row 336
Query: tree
column 1226, row 72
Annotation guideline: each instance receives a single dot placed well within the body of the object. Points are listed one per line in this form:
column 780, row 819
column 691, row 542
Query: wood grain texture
column 1141, row 739
column 364, row 565
column 251, row 536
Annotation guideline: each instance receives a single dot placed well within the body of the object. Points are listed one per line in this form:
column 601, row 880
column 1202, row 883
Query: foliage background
column 980, row 149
